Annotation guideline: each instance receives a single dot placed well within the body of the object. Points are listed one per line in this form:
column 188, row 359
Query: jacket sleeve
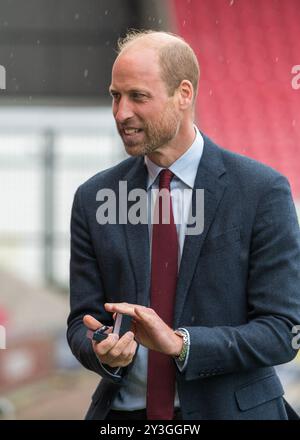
column 87, row 294
column 273, row 293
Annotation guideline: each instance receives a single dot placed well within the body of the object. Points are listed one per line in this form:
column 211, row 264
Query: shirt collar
column 184, row 168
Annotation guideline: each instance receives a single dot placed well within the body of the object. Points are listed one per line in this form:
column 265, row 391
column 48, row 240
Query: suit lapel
column 210, row 169
column 138, row 237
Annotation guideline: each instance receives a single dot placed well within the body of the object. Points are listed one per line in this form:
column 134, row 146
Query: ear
column 185, row 94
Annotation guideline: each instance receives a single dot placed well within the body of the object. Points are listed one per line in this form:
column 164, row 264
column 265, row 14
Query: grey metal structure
column 63, row 50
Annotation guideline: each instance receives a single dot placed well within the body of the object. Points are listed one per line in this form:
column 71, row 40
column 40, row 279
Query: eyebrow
column 145, row 92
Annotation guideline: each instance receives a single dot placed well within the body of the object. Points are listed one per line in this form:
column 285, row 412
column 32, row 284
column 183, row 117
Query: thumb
column 142, row 315
column 91, row 322
column 149, row 319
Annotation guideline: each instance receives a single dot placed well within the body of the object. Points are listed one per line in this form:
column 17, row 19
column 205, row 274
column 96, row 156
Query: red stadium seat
column 246, row 100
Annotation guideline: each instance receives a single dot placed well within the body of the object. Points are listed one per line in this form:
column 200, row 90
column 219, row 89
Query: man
column 213, row 312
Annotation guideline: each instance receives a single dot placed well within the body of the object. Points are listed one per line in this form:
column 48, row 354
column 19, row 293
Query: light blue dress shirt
column 132, row 395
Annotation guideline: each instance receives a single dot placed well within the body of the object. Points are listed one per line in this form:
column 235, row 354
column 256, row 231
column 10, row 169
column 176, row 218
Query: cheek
column 153, row 115
column 114, row 109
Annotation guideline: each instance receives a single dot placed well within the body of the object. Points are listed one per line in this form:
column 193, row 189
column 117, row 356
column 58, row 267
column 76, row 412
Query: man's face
column 146, row 117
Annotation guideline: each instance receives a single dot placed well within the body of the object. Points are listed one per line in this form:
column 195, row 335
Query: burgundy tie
column 161, row 368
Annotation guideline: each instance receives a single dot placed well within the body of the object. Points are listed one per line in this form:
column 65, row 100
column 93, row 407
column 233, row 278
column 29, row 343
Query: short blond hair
column 177, row 59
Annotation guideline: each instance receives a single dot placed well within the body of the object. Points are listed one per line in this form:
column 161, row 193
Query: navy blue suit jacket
column 238, row 290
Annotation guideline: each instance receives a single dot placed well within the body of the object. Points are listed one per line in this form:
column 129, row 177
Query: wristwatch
column 184, row 335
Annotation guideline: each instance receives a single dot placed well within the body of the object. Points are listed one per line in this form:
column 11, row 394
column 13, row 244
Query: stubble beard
column 156, row 135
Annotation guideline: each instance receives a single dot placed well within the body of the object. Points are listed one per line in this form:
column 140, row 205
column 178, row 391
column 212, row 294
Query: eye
column 137, row 95
column 115, row 95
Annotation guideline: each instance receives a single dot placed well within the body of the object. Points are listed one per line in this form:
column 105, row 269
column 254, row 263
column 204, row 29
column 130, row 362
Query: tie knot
column 165, row 178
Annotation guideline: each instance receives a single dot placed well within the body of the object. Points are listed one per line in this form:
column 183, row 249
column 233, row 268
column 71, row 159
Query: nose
column 122, row 110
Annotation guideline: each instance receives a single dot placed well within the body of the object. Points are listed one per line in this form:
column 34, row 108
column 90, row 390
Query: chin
column 135, row 150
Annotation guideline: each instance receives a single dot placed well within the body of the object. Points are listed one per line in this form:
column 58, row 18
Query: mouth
column 131, row 131
column 131, row 136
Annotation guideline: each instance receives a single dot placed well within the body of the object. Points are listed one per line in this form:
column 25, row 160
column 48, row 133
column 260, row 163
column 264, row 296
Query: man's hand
column 149, row 329
column 113, row 351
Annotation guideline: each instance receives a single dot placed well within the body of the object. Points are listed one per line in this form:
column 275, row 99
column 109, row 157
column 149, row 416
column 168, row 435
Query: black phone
column 122, row 324
column 99, row 334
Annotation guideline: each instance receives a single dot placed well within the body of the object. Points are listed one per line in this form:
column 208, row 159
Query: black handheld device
column 122, row 325
column 99, row 334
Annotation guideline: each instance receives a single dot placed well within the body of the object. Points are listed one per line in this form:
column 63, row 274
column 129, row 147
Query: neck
column 169, row 153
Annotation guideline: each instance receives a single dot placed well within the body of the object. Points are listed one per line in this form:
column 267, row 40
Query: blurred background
column 56, row 130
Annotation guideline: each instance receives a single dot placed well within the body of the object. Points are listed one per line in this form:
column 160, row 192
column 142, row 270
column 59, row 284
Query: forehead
column 136, row 67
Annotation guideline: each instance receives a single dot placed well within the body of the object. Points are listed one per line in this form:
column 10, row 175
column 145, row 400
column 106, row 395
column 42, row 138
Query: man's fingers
column 147, row 316
column 122, row 345
column 91, row 322
column 113, row 350
column 115, row 353
column 127, row 309
column 140, row 313
column 129, row 351
column 103, row 347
